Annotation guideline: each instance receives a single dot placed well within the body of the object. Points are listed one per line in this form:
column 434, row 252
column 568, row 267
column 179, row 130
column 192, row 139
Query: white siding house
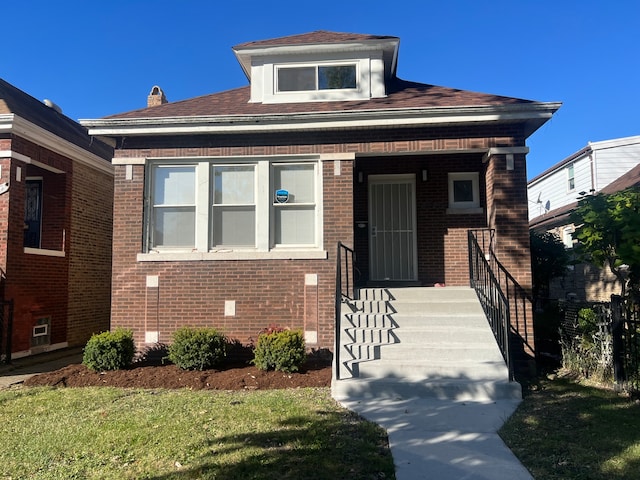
column 588, row 170
column 608, row 166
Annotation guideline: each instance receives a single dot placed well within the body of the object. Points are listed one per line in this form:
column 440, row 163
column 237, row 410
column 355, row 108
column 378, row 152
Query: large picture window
column 219, row 206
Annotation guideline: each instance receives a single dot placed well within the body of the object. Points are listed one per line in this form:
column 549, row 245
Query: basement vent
column 41, row 332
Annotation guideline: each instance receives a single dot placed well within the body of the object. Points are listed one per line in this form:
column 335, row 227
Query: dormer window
column 319, row 67
column 316, row 77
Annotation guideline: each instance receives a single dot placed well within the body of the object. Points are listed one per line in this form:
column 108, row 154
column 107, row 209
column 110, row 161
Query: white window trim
column 263, row 249
column 567, row 236
column 571, row 175
column 362, row 90
column 316, row 66
column 44, row 252
column 464, row 207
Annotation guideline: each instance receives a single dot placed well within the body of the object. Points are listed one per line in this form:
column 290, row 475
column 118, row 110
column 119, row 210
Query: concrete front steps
column 420, row 343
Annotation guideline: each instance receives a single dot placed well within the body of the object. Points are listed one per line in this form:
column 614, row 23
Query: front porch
column 410, row 224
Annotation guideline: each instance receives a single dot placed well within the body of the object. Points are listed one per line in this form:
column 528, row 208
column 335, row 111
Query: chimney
column 156, row 97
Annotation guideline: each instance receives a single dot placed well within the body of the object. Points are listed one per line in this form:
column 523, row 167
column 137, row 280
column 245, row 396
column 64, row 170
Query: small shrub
column 197, row 348
column 280, row 349
column 109, row 350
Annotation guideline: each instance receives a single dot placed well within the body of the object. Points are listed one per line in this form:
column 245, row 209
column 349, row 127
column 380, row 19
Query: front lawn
column 109, row 433
column 567, row 430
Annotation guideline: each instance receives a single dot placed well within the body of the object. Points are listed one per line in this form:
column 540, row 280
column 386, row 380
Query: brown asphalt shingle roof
column 319, row 36
column 401, row 94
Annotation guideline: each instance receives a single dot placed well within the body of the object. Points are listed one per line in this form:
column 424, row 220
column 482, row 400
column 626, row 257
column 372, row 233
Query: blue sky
column 102, row 57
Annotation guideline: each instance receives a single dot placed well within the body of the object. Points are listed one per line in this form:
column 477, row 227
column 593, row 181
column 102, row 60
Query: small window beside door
column 464, row 193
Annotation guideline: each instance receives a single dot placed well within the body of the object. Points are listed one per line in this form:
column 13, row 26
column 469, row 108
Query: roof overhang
column 531, row 115
column 16, row 125
column 388, row 46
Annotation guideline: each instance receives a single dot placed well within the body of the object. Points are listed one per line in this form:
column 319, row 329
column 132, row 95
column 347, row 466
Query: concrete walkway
column 425, row 366
column 22, row 368
column 445, row 440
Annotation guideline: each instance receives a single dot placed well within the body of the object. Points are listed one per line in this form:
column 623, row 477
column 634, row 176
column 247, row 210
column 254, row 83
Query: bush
column 280, row 349
column 197, row 348
column 109, row 350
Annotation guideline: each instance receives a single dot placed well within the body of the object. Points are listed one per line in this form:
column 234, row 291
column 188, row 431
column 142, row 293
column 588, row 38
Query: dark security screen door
column 392, row 232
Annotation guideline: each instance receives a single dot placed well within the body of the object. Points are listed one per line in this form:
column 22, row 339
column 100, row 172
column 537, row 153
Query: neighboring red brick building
column 56, row 210
column 229, row 206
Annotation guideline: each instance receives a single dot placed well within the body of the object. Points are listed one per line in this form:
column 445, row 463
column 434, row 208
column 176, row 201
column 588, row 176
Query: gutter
column 535, row 115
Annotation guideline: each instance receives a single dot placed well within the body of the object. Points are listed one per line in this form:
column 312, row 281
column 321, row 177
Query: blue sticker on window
column 282, row 196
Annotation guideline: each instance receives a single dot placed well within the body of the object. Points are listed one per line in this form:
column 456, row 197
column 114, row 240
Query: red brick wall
column 194, row 292
column 90, row 244
column 72, row 290
column 508, row 214
column 5, row 165
column 36, row 283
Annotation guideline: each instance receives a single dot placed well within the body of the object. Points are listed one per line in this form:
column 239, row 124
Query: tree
column 549, row 260
column 608, row 231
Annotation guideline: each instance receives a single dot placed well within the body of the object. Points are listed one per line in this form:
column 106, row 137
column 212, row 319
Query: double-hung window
column 571, row 178
column 233, row 212
column 174, row 206
column 294, row 211
column 218, row 206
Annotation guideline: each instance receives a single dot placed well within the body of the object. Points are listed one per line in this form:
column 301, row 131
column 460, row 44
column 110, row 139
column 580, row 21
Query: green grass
column 567, row 430
column 108, row 433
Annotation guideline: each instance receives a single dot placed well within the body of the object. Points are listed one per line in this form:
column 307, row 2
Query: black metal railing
column 494, row 301
column 6, row 330
column 345, row 290
column 495, row 287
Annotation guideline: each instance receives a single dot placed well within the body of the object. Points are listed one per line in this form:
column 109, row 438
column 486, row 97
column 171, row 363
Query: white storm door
column 392, row 228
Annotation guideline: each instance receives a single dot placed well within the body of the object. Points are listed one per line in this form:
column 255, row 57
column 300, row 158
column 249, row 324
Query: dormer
column 319, row 66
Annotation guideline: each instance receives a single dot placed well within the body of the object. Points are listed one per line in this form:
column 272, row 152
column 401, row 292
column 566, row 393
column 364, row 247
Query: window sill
column 465, row 211
column 44, row 252
column 232, row 255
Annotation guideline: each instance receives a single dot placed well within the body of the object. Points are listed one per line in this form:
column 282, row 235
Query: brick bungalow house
column 229, row 206
column 56, row 203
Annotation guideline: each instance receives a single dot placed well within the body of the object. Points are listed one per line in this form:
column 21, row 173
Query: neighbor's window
column 567, row 236
column 45, row 213
column 317, row 77
column 174, row 206
column 32, row 213
column 464, row 191
column 571, row 177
